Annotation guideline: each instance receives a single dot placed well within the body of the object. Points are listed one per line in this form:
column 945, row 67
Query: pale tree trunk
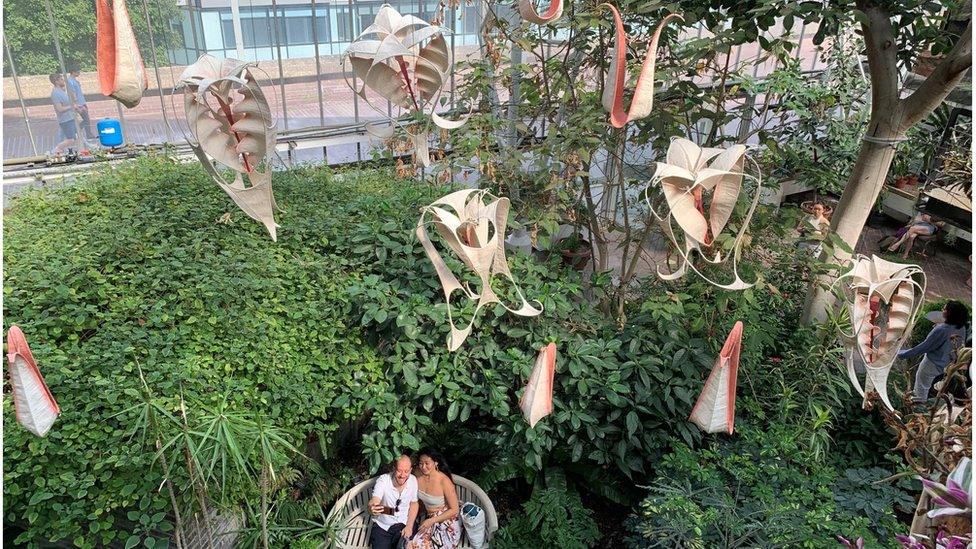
column 891, row 118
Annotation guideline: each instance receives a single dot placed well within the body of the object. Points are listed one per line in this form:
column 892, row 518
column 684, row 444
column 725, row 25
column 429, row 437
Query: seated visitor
column 393, row 505
column 441, row 528
column 921, row 225
column 939, row 348
column 816, row 224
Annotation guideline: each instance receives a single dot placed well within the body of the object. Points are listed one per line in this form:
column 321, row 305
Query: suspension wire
column 20, row 95
column 159, row 81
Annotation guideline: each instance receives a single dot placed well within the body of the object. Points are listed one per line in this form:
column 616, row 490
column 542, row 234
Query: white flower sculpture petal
column 121, row 72
column 689, row 175
column 229, row 117
column 406, row 61
column 714, row 410
column 475, row 231
column 883, row 299
column 536, row 401
column 613, row 85
column 34, row 405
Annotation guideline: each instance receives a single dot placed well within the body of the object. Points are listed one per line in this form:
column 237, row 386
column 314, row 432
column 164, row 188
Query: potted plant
column 574, row 250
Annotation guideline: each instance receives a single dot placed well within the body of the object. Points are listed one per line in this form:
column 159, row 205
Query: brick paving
column 947, row 270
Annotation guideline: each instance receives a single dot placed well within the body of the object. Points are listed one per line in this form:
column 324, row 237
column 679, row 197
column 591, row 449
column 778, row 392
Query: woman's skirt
column 443, row 535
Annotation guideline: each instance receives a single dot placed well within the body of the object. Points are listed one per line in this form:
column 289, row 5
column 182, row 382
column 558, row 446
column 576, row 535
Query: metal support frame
column 20, row 95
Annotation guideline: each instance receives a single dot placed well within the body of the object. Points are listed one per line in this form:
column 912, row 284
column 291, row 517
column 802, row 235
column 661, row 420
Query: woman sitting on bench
column 922, row 225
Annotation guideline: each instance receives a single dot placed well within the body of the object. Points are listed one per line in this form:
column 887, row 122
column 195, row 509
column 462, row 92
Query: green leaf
column 132, row 541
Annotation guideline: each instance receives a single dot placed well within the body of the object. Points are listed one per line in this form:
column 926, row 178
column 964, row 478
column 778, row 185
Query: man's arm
column 61, row 107
column 411, row 518
column 376, row 499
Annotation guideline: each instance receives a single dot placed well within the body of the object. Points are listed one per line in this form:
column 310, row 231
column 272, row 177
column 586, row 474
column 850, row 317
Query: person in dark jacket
column 939, row 348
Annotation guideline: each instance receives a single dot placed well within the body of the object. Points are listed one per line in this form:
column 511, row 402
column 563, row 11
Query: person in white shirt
column 393, row 505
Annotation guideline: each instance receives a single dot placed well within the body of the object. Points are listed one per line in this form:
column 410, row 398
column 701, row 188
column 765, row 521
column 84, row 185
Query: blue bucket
column 109, row 132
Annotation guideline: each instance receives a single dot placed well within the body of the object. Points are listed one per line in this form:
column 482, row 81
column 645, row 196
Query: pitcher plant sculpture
column 701, row 187
column 121, row 72
column 406, row 61
column 714, row 410
column 475, row 231
column 883, row 299
column 231, row 123
column 34, row 405
column 536, row 401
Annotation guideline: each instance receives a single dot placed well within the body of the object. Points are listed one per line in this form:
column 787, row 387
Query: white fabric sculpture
column 613, row 86
column 536, row 401
column 714, row 411
column 689, row 175
column 407, row 61
column 34, row 405
column 231, row 122
column 121, row 72
column 464, row 221
column 883, row 299
column 528, row 12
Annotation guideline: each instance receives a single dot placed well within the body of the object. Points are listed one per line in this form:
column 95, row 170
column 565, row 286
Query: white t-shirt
column 388, row 496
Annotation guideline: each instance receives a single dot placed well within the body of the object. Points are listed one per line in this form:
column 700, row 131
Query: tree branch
column 882, row 53
column 943, row 79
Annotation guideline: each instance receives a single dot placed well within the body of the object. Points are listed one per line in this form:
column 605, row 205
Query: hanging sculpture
column 231, row 122
column 464, row 221
column 407, row 63
column 536, row 401
column 34, row 405
column 689, row 176
column 883, row 299
column 613, row 85
column 528, row 12
column 714, row 410
column 121, row 72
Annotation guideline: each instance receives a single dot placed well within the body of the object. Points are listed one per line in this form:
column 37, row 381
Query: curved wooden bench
column 353, row 516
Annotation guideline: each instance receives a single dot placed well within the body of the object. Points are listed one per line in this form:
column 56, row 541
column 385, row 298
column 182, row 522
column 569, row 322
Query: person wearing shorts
column 65, row 111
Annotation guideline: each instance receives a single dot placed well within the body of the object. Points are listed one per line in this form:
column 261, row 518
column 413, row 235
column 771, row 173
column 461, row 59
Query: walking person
column 939, row 348
column 65, row 113
column 74, row 88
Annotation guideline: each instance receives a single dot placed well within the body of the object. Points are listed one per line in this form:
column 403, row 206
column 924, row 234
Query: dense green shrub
column 131, row 266
column 553, row 517
column 756, row 489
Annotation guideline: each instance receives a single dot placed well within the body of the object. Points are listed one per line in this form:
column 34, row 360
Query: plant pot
column 577, row 258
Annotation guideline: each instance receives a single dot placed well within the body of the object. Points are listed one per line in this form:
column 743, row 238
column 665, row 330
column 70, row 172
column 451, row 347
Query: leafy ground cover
column 331, row 344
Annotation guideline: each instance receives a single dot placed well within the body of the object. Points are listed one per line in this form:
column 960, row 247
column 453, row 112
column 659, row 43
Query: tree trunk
column 891, row 117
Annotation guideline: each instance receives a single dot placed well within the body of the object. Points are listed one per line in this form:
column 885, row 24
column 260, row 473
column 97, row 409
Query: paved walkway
column 947, row 270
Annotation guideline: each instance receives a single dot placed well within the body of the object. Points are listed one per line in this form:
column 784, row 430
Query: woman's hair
column 956, row 314
column 437, row 458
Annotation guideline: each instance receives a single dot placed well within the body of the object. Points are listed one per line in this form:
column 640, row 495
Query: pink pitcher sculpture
column 34, row 404
column 714, row 411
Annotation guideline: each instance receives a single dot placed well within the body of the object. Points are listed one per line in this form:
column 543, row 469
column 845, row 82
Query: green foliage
column 758, row 489
column 553, row 517
column 130, row 266
column 28, row 31
column 866, row 492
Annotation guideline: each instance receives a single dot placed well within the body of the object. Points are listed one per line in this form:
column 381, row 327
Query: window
column 227, row 33
column 344, row 25
column 256, row 27
column 298, row 30
column 322, row 31
column 471, row 20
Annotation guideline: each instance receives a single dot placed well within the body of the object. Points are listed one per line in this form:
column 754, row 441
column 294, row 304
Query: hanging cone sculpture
column 35, row 407
column 714, row 411
column 536, row 402
column 883, row 299
column 229, row 117
column 689, row 176
column 613, row 86
column 405, row 60
column 528, row 12
column 466, row 231
column 121, row 72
